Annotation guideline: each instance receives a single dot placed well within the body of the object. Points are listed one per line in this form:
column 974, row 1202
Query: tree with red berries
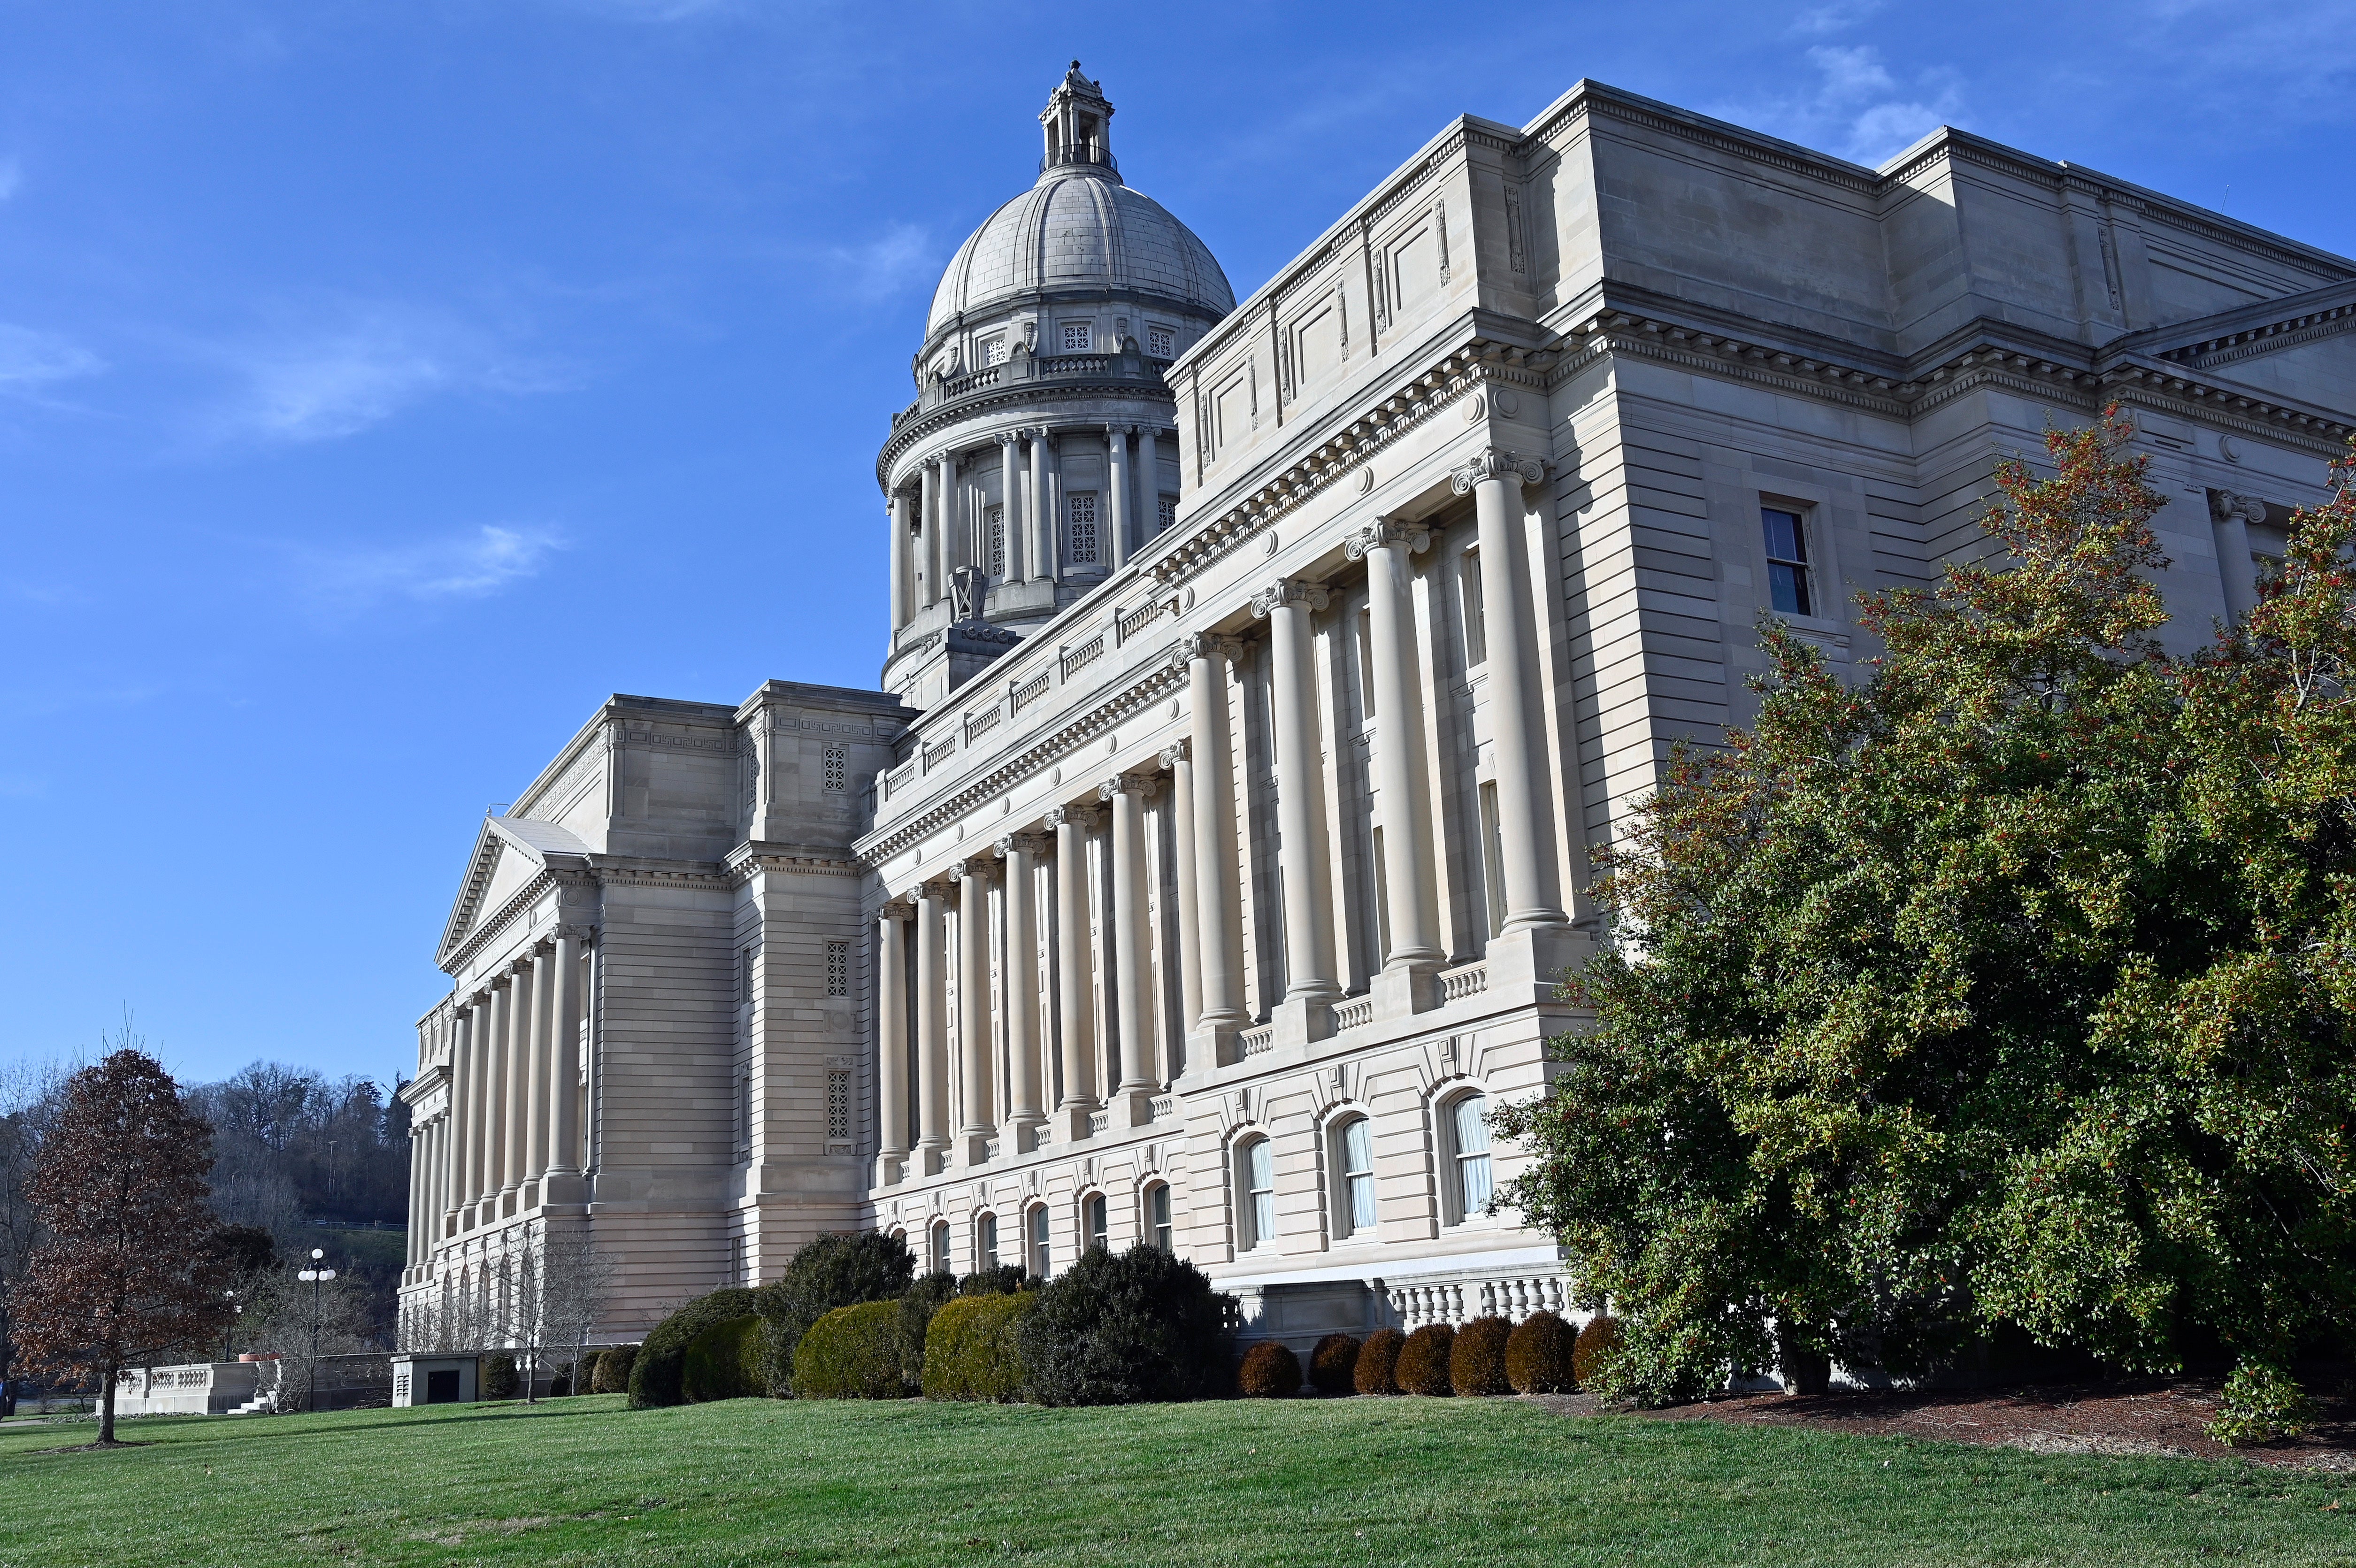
column 128, row 1273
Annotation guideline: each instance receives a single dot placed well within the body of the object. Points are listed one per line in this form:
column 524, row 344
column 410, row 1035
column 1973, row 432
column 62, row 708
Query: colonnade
column 1201, row 773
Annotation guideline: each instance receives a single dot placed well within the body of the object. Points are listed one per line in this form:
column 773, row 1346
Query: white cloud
column 464, row 566
column 12, row 178
column 323, row 382
column 30, row 361
column 900, row 258
column 1835, row 17
column 1857, row 109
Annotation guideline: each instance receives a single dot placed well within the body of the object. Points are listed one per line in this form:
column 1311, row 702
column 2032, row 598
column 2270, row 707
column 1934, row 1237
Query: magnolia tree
column 2013, row 989
column 127, row 1273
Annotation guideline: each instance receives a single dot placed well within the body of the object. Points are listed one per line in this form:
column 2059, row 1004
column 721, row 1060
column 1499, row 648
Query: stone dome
column 1079, row 227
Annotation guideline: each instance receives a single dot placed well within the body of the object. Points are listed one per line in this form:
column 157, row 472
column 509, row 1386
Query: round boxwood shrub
column 657, row 1373
column 1537, row 1355
column 728, row 1361
column 973, row 1352
column 1333, row 1363
column 852, row 1353
column 500, row 1380
column 1476, row 1362
column 1597, row 1340
column 1376, row 1370
column 837, row 1269
column 1004, row 1280
column 1126, row 1329
column 612, row 1373
column 1270, row 1372
column 1423, row 1360
column 916, row 1306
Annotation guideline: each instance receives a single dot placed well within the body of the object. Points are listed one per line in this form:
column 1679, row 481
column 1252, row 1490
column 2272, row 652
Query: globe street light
column 317, row 1275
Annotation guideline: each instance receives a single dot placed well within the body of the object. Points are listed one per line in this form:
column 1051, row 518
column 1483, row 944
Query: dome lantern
column 1076, row 125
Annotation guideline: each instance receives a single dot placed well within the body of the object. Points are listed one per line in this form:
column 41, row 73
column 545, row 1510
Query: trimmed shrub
column 1334, row 1362
column 1537, row 1355
column 916, row 1308
column 1270, row 1372
column 838, row 1269
column 973, row 1352
column 2260, row 1403
column 500, row 1380
column 1376, row 1369
column 728, row 1361
column 612, row 1375
column 1126, row 1328
column 1476, row 1362
column 659, row 1368
column 852, row 1353
column 1004, row 1280
column 1597, row 1340
column 1423, row 1361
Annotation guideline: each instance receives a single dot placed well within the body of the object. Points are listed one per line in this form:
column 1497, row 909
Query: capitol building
column 1260, row 680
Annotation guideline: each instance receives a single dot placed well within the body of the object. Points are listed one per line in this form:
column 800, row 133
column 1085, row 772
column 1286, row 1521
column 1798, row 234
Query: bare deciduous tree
column 557, row 1286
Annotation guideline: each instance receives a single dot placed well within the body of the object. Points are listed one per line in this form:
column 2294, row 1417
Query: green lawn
column 1354, row 1481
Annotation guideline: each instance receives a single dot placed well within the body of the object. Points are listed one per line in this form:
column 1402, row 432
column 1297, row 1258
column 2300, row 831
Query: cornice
column 747, row 861
column 478, row 935
column 2290, row 333
column 1032, row 395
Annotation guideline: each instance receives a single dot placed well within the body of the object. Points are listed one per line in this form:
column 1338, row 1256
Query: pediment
column 509, row 853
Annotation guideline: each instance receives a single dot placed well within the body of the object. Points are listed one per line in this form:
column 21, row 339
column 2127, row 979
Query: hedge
column 1270, row 1371
column 656, row 1374
column 1126, row 1329
column 837, row 1269
column 727, row 1361
column 852, row 1353
column 1537, row 1356
column 500, row 1380
column 1423, row 1360
column 610, row 1373
column 1596, row 1341
column 1476, row 1362
column 1334, row 1364
column 916, row 1306
column 1378, row 1364
column 972, row 1351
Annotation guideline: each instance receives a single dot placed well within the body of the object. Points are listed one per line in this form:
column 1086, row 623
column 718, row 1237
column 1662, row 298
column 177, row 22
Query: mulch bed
column 2143, row 1416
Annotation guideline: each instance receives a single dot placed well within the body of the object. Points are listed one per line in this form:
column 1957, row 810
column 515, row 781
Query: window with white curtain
column 1256, row 1162
column 1353, row 1160
column 1467, row 1127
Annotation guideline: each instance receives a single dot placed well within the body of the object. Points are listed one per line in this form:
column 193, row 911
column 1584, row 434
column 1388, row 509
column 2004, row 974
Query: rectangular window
column 1157, row 1217
column 1165, row 513
column 745, row 975
column 1039, row 1257
column 1470, row 1141
column 1259, row 1205
column 838, row 1106
column 985, row 1244
column 1076, row 336
column 1161, row 342
column 1493, row 858
column 993, row 351
column 1092, row 1218
column 1382, row 901
column 836, row 769
column 940, row 1247
column 1476, row 631
column 1358, row 1173
column 1084, row 528
column 994, row 522
column 1787, row 562
column 838, row 968
column 1366, row 662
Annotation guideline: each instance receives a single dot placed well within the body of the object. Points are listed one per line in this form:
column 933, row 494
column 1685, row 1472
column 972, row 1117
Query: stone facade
column 1207, row 896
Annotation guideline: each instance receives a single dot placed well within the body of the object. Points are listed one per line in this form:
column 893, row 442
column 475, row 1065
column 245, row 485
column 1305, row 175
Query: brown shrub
column 1476, row 1362
column 1377, row 1359
column 1270, row 1372
column 1538, row 1356
column 1423, row 1360
column 1334, row 1364
column 1595, row 1341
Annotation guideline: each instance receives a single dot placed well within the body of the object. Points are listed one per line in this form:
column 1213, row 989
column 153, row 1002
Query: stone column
column 897, row 513
column 1494, row 481
column 562, row 1183
column 1306, row 856
column 932, row 1028
column 1217, row 895
column 416, row 1235
column 1178, row 759
column 516, row 1102
column 1402, row 781
column 1019, row 983
column 543, row 1040
column 1116, row 488
column 438, row 1210
column 1009, row 515
column 462, row 1105
column 2231, row 514
column 892, row 1041
column 493, row 1109
column 1075, row 970
column 1042, row 513
column 952, row 553
column 1132, row 975
column 930, row 583
column 975, row 1116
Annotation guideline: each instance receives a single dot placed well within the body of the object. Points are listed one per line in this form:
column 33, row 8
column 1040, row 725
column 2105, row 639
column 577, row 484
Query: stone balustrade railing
column 1458, row 1300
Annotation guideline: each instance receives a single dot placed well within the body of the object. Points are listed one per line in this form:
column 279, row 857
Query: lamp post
column 317, row 1276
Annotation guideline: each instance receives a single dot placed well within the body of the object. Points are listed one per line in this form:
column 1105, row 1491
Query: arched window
column 1157, row 1217
column 1464, row 1122
column 985, row 1244
column 1255, row 1218
column 1037, row 1260
column 1354, row 1169
column 940, row 1261
column 1092, row 1220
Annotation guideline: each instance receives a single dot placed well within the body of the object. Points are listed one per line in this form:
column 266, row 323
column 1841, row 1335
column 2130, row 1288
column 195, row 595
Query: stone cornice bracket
column 1176, row 752
column 1029, row 843
column 1144, row 786
column 1288, row 590
column 1081, row 817
column 2225, row 504
column 1496, row 463
column 1385, row 530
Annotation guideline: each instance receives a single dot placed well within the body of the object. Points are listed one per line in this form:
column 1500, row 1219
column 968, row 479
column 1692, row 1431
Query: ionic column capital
column 1028, row 843
column 1009, row 438
column 940, row 889
column 1081, row 817
column 1385, row 532
column 898, row 910
column 973, row 866
column 1287, row 590
column 1177, row 751
column 1202, row 645
column 1144, row 786
column 1496, row 463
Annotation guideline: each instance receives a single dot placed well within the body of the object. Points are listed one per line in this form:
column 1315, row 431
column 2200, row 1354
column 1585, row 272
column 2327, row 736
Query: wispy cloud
column 322, row 382
column 461, row 567
column 1857, row 108
column 1838, row 16
column 12, row 177
column 31, row 360
column 900, row 258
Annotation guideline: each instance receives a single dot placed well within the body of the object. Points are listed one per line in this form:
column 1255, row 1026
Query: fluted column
column 1305, row 856
column 1402, row 781
column 1494, row 481
column 1217, row 892
column 562, row 1183
column 1076, row 969
column 1020, row 983
column 1179, row 759
column 898, row 524
column 1132, row 977
column 932, row 1026
column 1042, row 510
column 930, row 584
column 538, row 1043
column 975, row 1107
column 1116, row 483
column 892, row 1041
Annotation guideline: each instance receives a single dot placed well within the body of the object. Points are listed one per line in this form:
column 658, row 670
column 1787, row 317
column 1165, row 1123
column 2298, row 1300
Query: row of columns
column 926, row 524
column 515, row 1115
column 1202, row 774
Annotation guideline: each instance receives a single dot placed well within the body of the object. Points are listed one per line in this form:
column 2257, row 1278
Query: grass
column 1342, row 1481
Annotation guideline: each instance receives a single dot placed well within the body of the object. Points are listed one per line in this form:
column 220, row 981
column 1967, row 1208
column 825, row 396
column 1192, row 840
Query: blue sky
column 382, row 385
